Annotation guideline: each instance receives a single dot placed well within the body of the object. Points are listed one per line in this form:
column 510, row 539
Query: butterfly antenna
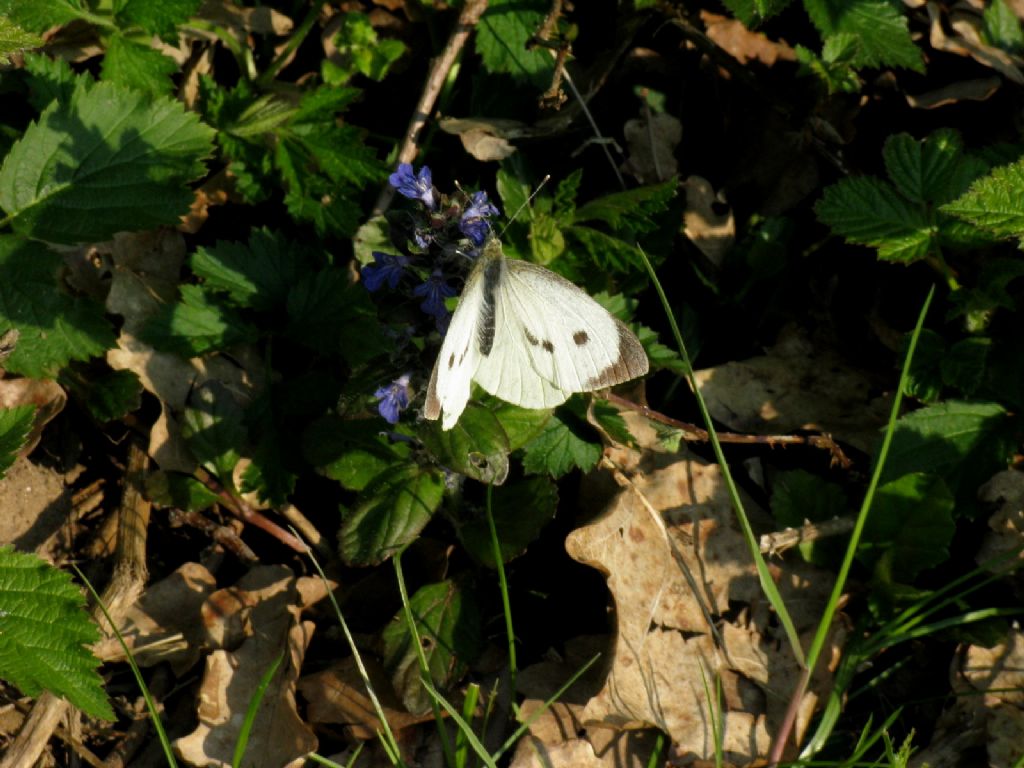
column 529, row 200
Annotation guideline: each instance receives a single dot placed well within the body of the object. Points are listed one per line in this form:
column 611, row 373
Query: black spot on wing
column 548, row 346
column 451, row 361
column 581, row 338
column 492, row 274
column 530, row 337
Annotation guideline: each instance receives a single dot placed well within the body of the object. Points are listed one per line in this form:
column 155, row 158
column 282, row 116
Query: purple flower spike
column 473, row 223
column 415, row 186
column 385, row 269
column 393, row 399
column 433, row 292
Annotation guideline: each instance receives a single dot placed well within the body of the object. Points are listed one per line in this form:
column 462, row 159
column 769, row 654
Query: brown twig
column 778, row 542
column 468, row 18
column 693, row 433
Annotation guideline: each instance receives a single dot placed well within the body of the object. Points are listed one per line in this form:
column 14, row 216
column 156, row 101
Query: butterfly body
column 529, row 337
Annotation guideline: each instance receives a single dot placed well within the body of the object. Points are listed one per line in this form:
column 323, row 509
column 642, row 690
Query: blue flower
column 473, row 223
column 385, row 269
column 433, row 292
column 417, row 186
column 393, row 399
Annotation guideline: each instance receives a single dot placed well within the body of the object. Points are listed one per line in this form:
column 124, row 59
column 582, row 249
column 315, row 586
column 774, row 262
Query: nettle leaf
column 355, row 452
column 994, row 202
column 501, row 41
column 520, row 510
column 15, row 424
column 257, row 274
column 521, row 425
column 567, row 442
column 965, row 365
column 199, row 323
column 799, row 496
column 107, row 157
column 214, row 429
column 476, row 446
column 108, row 395
column 39, row 15
column 359, row 51
column 48, row 80
column 869, row 211
column 609, row 418
column 329, row 314
column 177, row 491
column 137, row 66
column 633, row 210
column 55, row 327
column 14, row 39
column 158, row 17
column 448, row 624
column 879, row 27
column 1001, row 27
column 391, row 514
column 964, row 442
column 910, row 527
column 921, row 169
column 599, row 250
column 46, row 633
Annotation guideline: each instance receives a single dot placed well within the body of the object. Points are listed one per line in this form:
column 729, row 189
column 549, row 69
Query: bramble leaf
column 15, row 424
column 520, row 510
column 200, row 322
column 476, row 446
column 138, row 66
column 257, row 274
column 502, row 36
column 561, row 446
column 39, row 15
column 46, row 634
column 158, row 17
column 108, row 158
column 878, row 26
column 14, row 39
column 994, row 202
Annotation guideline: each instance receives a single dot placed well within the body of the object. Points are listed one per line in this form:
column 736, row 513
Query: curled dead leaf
column 743, row 44
column 651, row 142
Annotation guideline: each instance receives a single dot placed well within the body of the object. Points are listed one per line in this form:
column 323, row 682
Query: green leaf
column 598, row 251
column 501, row 40
column 521, row 425
column 476, row 446
column 879, row 27
column 753, row 12
column 55, row 327
column 964, row 366
column 46, row 633
column 107, row 158
column 994, row 202
column 1002, row 27
column 138, row 66
column 158, row 17
column 214, row 430
column 566, row 443
column 200, row 322
column 391, row 514
column 546, row 239
column 108, row 395
column 15, row 424
column 329, row 314
column 448, row 624
column 799, row 497
column 921, row 169
column 868, row 211
column 259, row 274
column 925, row 380
column 49, row 79
column 609, row 418
column 177, row 491
column 352, row 451
column 964, row 442
column 633, row 210
column 14, row 39
column 39, row 15
column 360, row 51
column 520, row 510
column 910, row 527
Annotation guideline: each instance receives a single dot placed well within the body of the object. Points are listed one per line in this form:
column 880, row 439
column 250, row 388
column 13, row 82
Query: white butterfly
column 528, row 336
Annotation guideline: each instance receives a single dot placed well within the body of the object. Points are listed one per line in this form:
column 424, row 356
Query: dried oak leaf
column 998, row 674
column 742, row 44
column 1005, row 492
column 279, row 736
column 676, row 563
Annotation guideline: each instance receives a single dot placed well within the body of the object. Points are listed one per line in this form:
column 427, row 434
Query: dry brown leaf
column 980, row 89
column 796, row 386
column 712, row 232
column 261, row 20
column 337, row 695
column 651, row 147
column 279, row 736
column 967, row 41
column 743, row 45
column 1005, row 491
column 486, row 138
column 45, row 394
column 670, row 586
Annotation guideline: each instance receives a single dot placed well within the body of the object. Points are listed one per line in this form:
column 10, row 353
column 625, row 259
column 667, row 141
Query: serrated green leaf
column 354, row 452
column 360, row 51
column 39, row 15
column 921, row 169
column 879, row 27
column 799, row 497
column 258, row 117
column 107, row 395
column 391, row 514
column 49, row 80
column 14, row 39
column 994, row 202
column 565, row 443
column 520, row 424
column 868, row 211
column 329, row 314
column 546, row 239
column 476, row 446
column 1001, row 27
column 15, row 424
column 448, row 624
column 214, row 430
column 964, row 442
column 55, row 327
column 258, row 274
column 137, row 66
column 964, row 365
column 501, row 41
column 924, row 381
column 633, row 210
column 107, row 158
column 45, row 633
column 910, row 527
column 177, row 491
column 520, row 510
column 609, row 418
column 158, row 17
column 200, row 322
column 594, row 249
